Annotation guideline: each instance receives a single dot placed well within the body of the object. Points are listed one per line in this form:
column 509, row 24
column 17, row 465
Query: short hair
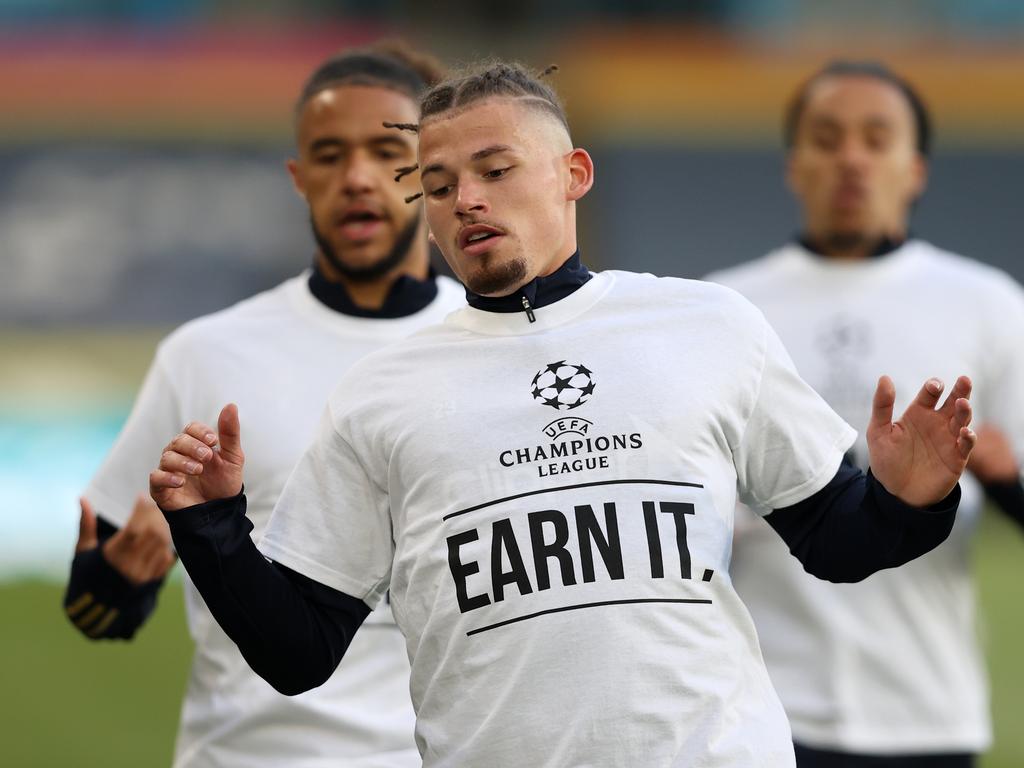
column 493, row 79
column 873, row 69
column 387, row 64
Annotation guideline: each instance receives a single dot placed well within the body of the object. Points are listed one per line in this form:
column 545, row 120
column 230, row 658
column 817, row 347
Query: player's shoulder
column 230, row 324
column 756, row 272
column 965, row 272
column 682, row 293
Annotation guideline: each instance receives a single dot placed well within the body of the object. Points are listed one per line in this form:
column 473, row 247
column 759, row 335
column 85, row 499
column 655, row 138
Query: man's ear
column 920, row 176
column 790, row 173
column 292, row 165
column 581, row 174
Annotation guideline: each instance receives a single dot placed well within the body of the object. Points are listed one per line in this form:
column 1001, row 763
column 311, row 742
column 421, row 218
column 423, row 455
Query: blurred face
column 345, row 171
column 500, row 181
column 854, row 165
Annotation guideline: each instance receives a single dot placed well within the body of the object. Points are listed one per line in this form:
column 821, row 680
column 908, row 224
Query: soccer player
column 888, row 671
column 279, row 355
column 546, row 483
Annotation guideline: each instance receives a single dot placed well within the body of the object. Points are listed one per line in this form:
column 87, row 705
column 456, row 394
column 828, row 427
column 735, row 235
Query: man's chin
column 499, row 280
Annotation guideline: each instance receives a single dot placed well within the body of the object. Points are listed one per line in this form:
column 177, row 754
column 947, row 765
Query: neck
column 370, row 295
column 403, row 291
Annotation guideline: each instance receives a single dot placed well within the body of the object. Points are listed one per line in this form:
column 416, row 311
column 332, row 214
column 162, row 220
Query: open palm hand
column 920, row 457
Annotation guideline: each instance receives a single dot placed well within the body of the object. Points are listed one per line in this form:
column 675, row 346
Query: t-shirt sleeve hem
column 107, row 507
column 369, row 593
column 818, row 481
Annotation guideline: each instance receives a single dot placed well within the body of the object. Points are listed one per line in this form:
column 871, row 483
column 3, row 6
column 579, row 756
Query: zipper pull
column 529, row 310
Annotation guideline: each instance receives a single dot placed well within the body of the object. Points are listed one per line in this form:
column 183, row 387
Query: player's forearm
column 291, row 630
column 853, row 527
column 1009, row 497
column 99, row 601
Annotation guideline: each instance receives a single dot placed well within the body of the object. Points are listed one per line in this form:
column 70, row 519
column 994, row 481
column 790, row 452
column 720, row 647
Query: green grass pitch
column 69, row 702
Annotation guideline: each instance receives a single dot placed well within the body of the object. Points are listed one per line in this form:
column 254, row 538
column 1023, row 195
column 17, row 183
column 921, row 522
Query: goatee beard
column 370, row 272
column 499, row 280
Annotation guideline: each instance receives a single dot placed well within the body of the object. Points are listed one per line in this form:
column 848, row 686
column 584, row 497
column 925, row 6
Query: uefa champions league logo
column 563, row 386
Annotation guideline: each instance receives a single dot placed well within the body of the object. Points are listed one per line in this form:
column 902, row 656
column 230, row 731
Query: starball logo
column 566, row 386
column 563, row 386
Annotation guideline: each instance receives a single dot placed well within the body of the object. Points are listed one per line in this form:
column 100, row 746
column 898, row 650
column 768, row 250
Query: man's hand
column 992, row 460
column 919, row 458
column 199, row 466
column 141, row 551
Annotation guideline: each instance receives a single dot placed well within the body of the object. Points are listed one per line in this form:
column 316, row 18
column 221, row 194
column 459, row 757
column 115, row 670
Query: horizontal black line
column 586, row 605
column 450, row 515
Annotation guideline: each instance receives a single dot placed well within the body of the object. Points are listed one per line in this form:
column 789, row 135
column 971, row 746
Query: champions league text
column 541, row 455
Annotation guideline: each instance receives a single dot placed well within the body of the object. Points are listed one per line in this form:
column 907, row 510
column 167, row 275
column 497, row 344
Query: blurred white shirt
column 891, row 664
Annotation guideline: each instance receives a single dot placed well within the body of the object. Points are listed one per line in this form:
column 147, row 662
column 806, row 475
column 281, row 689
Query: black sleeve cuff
column 854, row 527
column 101, row 603
column 199, row 517
column 894, row 506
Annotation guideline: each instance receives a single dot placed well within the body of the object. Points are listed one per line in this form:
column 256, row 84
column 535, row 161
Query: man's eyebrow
column 328, row 142
column 390, row 138
column 878, row 121
column 494, row 149
column 333, row 142
column 824, row 120
column 480, row 154
column 432, row 168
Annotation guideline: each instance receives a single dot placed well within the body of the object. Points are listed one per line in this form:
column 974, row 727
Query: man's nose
column 854, row 153
column 359, row 175
column 470, row 200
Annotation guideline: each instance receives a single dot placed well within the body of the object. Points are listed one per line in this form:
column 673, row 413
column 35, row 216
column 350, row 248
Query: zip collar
column 539, row 292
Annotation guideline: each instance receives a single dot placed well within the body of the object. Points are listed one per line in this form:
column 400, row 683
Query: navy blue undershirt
column 406, row 296
column 883, row 247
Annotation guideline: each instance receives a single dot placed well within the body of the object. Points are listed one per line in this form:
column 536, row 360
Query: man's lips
column 478, row 238
column 357, row 224
column 849, row 196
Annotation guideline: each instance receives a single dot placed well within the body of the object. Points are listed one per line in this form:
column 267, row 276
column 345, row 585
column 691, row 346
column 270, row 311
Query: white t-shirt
column 277, row 355
column 892, row 664
column 551, row 505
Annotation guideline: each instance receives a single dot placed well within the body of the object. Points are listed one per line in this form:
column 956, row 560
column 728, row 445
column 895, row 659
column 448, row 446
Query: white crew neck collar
column 547, row 317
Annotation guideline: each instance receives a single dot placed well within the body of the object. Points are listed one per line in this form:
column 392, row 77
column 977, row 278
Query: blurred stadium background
column 142, row 183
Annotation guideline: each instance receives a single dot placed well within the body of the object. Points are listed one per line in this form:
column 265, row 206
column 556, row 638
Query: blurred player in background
column 886, row 672
column 279, row 354
column 546, row 483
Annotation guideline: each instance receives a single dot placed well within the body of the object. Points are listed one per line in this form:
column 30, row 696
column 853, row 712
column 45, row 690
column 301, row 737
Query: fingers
column 172, row 461
column 881, row 405
column 200, row 432
column 154, row 559
column 929, row 394
column 139, row 555
column 961, row 389
column 87, row 537
column 966, row 441
column 191, row 446
column 144, row 510
column 230, row 430
column 962, row 414
column 160, row 482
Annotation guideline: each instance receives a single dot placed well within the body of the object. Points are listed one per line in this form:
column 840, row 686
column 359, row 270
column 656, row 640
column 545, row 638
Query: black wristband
column 101, row 603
